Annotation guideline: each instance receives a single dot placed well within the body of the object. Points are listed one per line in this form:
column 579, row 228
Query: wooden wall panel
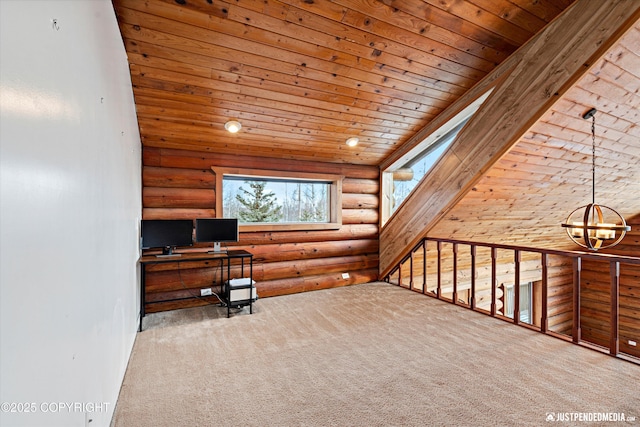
column 177, row 178
column 166, row 197
column 560, row 295
column 180, row 185
column 596, row 291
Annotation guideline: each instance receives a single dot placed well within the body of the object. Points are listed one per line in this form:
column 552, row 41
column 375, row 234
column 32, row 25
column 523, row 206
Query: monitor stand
column 167, row 252
column 217, row 249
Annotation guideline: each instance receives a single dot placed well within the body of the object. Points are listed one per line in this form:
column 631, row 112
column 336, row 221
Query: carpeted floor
column 365, row 355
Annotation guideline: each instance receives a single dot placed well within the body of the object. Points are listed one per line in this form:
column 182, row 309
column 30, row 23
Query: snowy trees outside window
column 276, row 200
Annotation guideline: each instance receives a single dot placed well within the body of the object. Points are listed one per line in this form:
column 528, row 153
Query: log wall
column 560, row 294
column 181, row 185
column 595, row 306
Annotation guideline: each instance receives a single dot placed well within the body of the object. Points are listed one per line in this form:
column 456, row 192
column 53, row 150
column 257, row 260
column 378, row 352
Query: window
column 259, row 200
column 526, row 301
column 267, row 200
column 410, row 174
column 401, row 178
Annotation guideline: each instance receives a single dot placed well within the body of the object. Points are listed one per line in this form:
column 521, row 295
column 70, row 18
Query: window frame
column 335, row 197
column 509, row 301
column 431, row 141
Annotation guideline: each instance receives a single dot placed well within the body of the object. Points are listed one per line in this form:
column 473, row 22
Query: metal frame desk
column 198, row 256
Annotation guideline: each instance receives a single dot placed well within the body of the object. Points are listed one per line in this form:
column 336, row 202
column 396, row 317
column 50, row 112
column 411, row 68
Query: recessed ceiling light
column 353, row 141
column 233, row 126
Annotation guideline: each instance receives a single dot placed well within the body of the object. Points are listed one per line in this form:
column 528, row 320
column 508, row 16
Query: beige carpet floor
column 365, row 355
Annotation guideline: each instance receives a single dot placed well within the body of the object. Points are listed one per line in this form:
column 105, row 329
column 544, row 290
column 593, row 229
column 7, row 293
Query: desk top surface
column 194, row 256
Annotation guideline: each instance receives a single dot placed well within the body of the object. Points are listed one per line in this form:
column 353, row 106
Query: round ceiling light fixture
column 233, row 126
column 353, row 141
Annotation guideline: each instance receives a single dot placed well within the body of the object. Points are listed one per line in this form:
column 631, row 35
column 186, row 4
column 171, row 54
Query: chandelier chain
column 593, row 157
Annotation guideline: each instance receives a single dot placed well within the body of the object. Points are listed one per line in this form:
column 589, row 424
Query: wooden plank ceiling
column 525, row 197
column 304, row 75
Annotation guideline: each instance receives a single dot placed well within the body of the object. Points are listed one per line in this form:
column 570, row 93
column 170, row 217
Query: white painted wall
column 70, row 205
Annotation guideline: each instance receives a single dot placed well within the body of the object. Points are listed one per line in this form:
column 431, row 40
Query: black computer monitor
column 166, row 234
column 216, row 230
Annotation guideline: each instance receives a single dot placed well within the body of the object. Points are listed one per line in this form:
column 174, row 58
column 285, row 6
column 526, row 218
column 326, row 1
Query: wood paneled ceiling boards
column 302, row 76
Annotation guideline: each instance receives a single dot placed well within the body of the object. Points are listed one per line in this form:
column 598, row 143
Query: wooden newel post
column 494, row 255
column 517, row 258
column 424, row 266
column 577, row 270
column 439, row 290
column 473, row 277
column 454, row 296
column 614, row 345
column 544, row 320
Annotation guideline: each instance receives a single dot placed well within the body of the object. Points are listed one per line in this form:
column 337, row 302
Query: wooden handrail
column 573, row 254
column 577, row 261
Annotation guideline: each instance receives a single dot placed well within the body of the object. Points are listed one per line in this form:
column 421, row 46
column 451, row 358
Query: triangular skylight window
column 400, row 179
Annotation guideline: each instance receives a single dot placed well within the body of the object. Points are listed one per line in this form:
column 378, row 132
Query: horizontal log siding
column 560, row 294
column 180, row 185
column 595, row 306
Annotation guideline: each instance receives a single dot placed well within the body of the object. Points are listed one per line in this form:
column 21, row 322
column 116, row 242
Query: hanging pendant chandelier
column 595, row 226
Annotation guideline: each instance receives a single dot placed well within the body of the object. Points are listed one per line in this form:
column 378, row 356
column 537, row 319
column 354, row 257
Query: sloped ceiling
column 482, row 190
column 303, row 75
column 525, row 197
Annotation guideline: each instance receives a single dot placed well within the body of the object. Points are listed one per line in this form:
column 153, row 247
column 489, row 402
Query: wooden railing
column 445, row 269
